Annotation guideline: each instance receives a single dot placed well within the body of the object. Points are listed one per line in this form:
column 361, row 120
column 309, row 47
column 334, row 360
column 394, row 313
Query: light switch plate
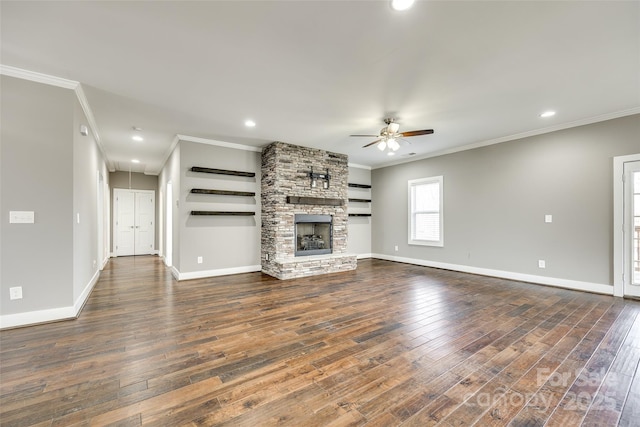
column 15, row 292
column 548, row 218
column 21, row 217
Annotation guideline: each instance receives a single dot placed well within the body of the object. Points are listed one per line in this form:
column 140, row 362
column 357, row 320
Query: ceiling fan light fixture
column 382, row 146
column 393, row 144
column 393, row 127
column 400, row 5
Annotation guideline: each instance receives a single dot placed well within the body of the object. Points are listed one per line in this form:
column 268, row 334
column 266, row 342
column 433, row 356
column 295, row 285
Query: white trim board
column 357, row 166
column 219, row 143
column 514, row 137
column 34, row 76
column 52, row 314
column 46, row 79
column 598, row 288
column 618, row 221
column 213, row 273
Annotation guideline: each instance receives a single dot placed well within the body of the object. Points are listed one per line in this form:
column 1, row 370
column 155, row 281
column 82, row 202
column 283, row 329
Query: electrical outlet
column 396, row 248
column 542, row 263
column 266, row 257
column 199, row 260
column 548, row 218
column 15, row 292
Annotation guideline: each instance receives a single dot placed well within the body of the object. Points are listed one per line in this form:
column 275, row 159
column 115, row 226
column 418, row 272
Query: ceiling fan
column 389, row 135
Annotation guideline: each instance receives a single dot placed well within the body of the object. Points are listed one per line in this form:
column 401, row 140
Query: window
column 425, row 212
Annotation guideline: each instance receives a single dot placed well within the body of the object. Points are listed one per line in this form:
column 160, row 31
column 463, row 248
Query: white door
column 124, row 216
column 134, row 213
column 144, row 218
column 631, row 277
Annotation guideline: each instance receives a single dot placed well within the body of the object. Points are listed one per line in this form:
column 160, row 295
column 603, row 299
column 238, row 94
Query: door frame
column 115, row 217
column 618, row 221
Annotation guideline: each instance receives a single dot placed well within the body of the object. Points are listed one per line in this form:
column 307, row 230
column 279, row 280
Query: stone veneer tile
column 285, row 170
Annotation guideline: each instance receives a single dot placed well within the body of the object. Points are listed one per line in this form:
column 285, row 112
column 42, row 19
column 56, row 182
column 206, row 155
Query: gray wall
column 359, row 238
column 46, row 166
column 37, row 175
column 139, row 181
column 223, row 241
column 495, row 199
column 171, row 174
column 87, row 163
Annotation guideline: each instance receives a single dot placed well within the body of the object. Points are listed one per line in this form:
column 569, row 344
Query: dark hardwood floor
column 388, row 344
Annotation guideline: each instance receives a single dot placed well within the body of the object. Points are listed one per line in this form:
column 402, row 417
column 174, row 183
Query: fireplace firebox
column 314, row 234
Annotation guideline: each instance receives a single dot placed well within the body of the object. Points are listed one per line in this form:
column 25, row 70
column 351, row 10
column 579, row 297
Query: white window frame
column 415, row 182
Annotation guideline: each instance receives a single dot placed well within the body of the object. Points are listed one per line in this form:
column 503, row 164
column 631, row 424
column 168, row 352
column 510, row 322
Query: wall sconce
column 324, row 177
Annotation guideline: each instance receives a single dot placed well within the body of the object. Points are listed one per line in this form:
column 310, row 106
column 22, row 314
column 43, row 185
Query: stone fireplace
column 304, row 222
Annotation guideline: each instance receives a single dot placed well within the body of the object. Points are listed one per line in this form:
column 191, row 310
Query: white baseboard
column 51, row 314
column 598, row 288
column 174, row 272
column 364, row 256
column 212, row 273
column 84, row 296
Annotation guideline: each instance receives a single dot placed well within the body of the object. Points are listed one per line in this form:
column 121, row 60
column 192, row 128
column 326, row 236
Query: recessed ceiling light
column 249, row 123
column 548, row 114
column 135, row 161
column 391, row 153
column 137, row 138
column 401, row 4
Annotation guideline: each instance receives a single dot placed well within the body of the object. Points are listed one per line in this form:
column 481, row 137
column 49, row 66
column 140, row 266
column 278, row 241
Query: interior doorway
column 168, row 246
column 631, row 275
column 627, row 226
column 101, row 228
column 134, row 217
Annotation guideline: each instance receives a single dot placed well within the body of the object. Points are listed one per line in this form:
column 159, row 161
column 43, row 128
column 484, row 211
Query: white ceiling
column 313, row 72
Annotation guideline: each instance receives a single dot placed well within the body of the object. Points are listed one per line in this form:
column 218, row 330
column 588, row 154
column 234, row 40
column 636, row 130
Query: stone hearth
column 285, row 189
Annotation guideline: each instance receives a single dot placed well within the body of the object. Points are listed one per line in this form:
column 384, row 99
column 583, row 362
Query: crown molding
column 219, row 143
column 34, row 76
column 75, row 86
column 355, row 165
column 555, row 128
column 166, row 155
column 84, row 103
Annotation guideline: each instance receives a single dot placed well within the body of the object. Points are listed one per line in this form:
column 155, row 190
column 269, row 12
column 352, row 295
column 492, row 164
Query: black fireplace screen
column 313, row 234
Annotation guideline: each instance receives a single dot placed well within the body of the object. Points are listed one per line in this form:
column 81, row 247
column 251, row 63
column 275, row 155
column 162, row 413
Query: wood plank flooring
column 388, row 344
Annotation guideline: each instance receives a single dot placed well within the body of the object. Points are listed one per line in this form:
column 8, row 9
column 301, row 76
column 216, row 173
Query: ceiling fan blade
column 368, row 136
column 417, row 132
column 371, row 143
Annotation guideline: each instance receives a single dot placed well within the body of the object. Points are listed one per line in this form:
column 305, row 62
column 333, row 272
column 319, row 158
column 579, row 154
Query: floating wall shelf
column 222, row 171
column 358, row 185
column 223, row 192
column 359, row 214
column 360, row 200
column 222, row 213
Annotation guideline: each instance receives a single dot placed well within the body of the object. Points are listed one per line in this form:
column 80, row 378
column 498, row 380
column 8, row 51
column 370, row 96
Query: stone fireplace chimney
column 287, row 191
